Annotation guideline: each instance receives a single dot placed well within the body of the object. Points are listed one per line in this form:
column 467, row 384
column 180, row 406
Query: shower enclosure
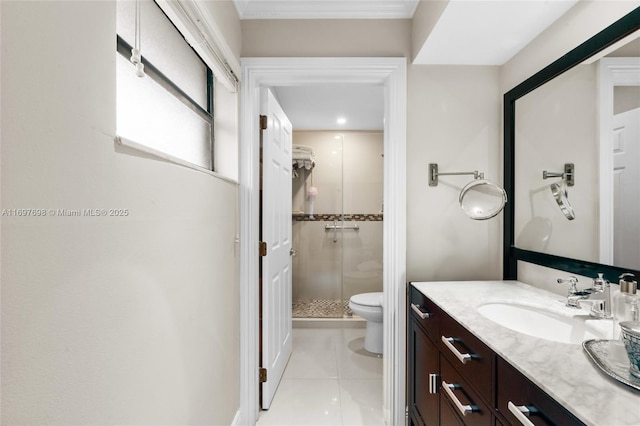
column 337, row 222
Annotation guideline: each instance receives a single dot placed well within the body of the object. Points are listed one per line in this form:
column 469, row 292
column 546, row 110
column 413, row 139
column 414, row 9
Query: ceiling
column 469, row 32
column 320, row 107
column 326, row 9
column 482, row 32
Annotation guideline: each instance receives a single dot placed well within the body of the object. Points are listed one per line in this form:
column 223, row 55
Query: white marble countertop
column 562, row 370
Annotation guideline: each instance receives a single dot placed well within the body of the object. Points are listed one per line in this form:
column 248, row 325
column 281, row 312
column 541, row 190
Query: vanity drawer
column 472, row 358
column 424, row 312
column 458, row 396
column 448, row 416
column 515, row 388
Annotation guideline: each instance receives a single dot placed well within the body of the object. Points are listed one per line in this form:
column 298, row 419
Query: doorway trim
column 613, row 72
column 269, row 72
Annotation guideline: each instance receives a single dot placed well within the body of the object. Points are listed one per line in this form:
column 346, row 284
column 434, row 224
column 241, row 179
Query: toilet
column 369, row 307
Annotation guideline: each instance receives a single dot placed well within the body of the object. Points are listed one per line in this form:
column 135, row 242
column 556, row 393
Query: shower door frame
column 272, row 72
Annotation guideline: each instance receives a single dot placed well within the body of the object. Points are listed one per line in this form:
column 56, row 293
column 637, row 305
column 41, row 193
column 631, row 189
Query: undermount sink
column 547, row 324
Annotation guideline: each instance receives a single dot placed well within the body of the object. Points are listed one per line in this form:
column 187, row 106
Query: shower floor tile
column 321, row 308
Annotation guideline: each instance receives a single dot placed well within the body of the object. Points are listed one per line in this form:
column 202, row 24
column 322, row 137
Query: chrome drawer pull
column 416, row 309
column 433, row 383
column 448, row 388
column 462, row 357
column 521, row 412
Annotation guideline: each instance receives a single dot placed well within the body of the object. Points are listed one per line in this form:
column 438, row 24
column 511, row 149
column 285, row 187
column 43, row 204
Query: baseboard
column 354, row 322
column 236, row 419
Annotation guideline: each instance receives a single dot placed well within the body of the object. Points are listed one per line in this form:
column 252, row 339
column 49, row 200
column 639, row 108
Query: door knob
column 292, row 252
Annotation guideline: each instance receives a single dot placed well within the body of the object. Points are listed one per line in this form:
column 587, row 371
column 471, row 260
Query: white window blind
column 205, row 37
column 170, row 109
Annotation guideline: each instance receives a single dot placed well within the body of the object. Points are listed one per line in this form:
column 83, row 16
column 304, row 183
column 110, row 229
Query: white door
column 276, row 232
column 626, row 191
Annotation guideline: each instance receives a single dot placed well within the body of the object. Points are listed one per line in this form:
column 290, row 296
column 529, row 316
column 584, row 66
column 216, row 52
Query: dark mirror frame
column 511, row 254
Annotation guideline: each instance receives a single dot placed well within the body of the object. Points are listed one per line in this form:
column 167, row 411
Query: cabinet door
column 517, row 393
column 423, row 363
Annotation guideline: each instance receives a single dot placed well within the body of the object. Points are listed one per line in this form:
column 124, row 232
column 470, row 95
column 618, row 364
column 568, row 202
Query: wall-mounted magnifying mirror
column 559, row 192
column 482, row 199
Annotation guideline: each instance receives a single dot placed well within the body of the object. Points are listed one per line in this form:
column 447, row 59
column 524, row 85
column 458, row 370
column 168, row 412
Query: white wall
column 424, row 20
column 326, row 37
column 584, row 20
column 557, row 124
column 625, row 98
column 453, row 118
column 226, row 132
column 225, row 16
column 105, row 320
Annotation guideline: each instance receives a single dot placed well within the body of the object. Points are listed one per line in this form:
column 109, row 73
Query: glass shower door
column 337, row 222
column 363, row 182
column 317, row 229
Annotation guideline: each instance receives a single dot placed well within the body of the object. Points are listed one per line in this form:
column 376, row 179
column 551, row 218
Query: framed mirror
column 570, row 114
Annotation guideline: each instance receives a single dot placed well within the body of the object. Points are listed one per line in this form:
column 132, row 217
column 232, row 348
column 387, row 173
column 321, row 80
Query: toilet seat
column 368, row 299
column 369, row 307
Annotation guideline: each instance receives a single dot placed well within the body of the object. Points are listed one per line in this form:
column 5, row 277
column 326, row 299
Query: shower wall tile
column 326, row 176
column 363, row 172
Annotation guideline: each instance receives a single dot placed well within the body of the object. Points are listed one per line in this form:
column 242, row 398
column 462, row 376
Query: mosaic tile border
column 360, row 217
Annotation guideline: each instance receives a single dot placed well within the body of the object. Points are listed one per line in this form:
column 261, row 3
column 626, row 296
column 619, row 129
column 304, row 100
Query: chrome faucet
column 601, row 308
column 574, row 296
column 599, row 296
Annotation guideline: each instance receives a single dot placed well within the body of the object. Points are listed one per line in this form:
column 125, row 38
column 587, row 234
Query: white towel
column 303, row 157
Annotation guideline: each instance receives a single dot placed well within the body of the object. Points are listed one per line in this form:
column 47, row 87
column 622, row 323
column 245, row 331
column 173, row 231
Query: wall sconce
column 559, row 191
column 568, row 175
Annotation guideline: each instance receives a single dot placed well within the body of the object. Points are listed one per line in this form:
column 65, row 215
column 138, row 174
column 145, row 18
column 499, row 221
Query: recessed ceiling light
column 341, row 120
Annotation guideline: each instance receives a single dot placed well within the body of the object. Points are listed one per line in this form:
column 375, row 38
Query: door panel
column 626, row 175
column 276, row 232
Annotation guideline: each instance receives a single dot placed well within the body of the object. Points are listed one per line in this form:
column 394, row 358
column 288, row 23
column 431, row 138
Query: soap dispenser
column 624, row 300
column 599, row 283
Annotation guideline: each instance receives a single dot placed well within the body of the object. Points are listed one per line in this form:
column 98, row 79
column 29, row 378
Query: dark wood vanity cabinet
column 482, row 388
column 442, row 354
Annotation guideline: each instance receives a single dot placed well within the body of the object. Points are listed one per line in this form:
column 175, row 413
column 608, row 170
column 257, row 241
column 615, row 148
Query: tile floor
column 321, row 308
column 330, row 380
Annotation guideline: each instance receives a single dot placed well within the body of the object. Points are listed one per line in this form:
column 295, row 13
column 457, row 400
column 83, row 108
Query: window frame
column 124, row 48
